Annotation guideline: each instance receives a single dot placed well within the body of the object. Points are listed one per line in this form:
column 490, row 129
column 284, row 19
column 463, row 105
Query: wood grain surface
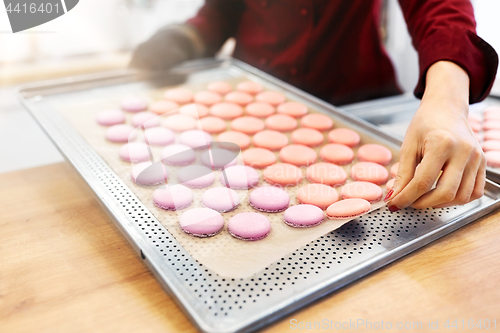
column 65, row 267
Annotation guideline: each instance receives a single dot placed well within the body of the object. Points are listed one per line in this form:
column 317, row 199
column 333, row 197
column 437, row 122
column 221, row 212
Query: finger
column 478, row 191
column 465, row 191
column 407, row 164
column 425, row 177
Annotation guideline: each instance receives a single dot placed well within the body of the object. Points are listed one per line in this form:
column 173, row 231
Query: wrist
column 447, row 84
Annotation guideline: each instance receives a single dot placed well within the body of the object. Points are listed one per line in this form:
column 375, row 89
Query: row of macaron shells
column 487, row 129
column 127, row 106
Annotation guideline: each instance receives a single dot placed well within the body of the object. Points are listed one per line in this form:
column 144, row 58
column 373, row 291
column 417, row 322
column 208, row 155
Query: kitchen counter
column 65, row 267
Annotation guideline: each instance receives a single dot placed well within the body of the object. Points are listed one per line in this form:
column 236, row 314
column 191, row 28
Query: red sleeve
column 216, row 21
column 446, row 30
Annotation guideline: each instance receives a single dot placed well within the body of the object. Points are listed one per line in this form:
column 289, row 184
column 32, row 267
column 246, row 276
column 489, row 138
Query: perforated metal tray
column 216, row 304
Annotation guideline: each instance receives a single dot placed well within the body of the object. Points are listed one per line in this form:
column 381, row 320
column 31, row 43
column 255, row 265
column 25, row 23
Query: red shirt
column 332, row 48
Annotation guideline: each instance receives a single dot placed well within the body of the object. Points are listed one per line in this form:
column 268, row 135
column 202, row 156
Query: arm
column 456, row 67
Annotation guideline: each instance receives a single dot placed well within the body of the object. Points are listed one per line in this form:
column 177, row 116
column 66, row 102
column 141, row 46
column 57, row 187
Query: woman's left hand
column 439, row 138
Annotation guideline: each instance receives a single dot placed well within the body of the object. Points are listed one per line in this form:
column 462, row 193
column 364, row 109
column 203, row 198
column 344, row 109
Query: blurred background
column 98, row 35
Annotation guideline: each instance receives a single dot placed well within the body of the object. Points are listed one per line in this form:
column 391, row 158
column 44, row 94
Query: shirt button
column 303, row 11
column 293, row 71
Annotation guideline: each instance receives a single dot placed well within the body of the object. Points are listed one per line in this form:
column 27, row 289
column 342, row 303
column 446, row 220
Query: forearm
column 448, row 83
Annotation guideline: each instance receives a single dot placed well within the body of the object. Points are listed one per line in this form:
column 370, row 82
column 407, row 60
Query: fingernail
column 388, row 195
column 393, row 208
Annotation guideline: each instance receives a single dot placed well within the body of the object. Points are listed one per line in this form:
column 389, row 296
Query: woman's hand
column 439, row 139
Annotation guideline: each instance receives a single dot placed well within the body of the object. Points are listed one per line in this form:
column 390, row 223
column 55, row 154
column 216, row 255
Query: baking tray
column 393, row 115
column 213, row 303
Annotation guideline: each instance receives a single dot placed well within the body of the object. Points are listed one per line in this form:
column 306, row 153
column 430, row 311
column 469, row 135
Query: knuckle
column 424, row 185
column 476, row 154
column 447, row 196
column 463, row 199
column 477, row 193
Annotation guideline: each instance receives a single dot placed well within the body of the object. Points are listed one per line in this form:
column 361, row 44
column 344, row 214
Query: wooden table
column 65, row 267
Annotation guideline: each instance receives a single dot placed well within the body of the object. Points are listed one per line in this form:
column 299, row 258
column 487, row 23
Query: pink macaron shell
column 491, row 135
column 239, row 177
column 249, row 87
column 475, row 117
column 201, row 222
column 121, row 133
column 207, row 98
column 493, row 158
column 159, row 136
column 336, row 153
column 197, row 111
column 221, row 199
column 145, row 119
column 110, row 117
column 149, row 174
column 492, row 124
column 347, row 209
column 134, row 152
column 196, row 176
column 272, row 97
column 239, row 98
column 303, row 216
column 376, row 153
column 326, row 173
column 219, row 87
column 491, row 145
column 490, row 110
column 294, row 109
column 134, row 104
column 163, row 107
column 369, row 172
column 344, row 136
column 260, row 109
column 178, row 155
column 394, row 169
column 216, row 158
column 179, row 95
column 173, row 197
column 363, row 190
column 269, row 199
column 179, row 122
column 249, row 226
column 195, row 138
column 226, row 110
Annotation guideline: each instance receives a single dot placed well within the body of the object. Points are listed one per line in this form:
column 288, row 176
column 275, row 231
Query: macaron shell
column 298, row 155
column 179, row 95
column 259, row 158
column 145, row 119
column 212, row 125
column 369, row 172
column 282, row 174
column 307, row 137
column 344, row 136
column 326, row 173
column 134, row 104
column 238, row 138
column 207, row 98
column 491, row 145
column 196, row 176
column 158, row 136
column 248, row 125
column 179, row 122
column 394, row 169
column 162, row 107
column 373, row 152
column 319, row 195
column 195, row 138
column 239, row 97
column 272, row 97
column 201, row 222
column 272, row 140
column 173, row 197
column 260, row 109
column 110, row 117
column 293, row 109
column 336, row 153
column 194, row 110
column 303, row 216
column 347, row 209
column 221, row 199
column 269, row 199
column 363, row 190
column 249, row 87
column 493, row 158
column 226, row 110
column 146, row 173
column 178, row 154
column 239, row 177
column 249, row 226
column 281, row 123
column 317, row 121
column 121, row 133
column 220, row 87
column 134, row 152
